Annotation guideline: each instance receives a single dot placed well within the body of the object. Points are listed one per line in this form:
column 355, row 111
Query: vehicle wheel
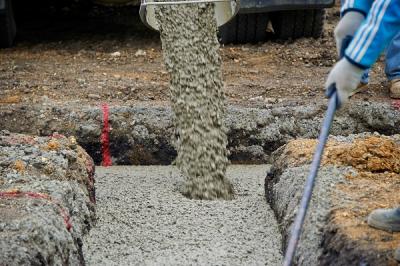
column 244, row 28
column 227, row 32
column 262, row 20
column 8, row 28
column 299, row 23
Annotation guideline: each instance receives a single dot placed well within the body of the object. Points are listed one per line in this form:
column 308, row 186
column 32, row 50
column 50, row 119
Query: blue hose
column 323, row 137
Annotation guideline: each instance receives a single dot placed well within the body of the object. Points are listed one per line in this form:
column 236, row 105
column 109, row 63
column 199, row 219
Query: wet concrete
column 144, row 220
column 190, row 49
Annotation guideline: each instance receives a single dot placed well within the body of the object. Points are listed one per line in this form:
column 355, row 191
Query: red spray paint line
column 396, row 104
column 105, row 137
column 36, row 195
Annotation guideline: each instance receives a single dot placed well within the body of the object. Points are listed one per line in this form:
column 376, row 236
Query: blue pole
column 323, row 137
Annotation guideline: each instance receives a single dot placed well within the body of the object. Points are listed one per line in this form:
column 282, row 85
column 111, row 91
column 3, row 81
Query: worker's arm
column 353, row 13
column 360, row 6
column 379, row 28
column 375, row 34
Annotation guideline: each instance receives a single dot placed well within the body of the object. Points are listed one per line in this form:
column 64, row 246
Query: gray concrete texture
column 46, row 200
column 190, row 51
column 144, row 135
column 143, row 219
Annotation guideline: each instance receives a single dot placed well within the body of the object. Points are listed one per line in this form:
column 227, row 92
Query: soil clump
column 47, row 200
column 358, row 174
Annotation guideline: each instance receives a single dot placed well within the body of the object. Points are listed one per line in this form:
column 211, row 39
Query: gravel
column 191, row 56
column 144, row 220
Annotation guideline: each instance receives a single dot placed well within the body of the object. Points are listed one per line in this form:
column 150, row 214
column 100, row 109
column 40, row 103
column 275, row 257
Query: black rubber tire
column 262, row 20
column 297, row 24
column 8, row 28
column 227, row 32
column 318, row 25
column 244, row 28
column 251, row 28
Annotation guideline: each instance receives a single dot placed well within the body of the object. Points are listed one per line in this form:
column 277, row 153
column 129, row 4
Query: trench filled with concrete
column 141, row 215
column 143, row 219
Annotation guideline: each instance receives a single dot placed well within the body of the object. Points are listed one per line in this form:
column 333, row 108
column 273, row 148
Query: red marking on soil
column 396, row 104
column 58, row 136
column 90, row 172
column 36, row 195
column 18, row 139
column 105, row 137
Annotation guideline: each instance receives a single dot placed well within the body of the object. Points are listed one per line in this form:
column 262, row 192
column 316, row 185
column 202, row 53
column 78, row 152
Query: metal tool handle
column 305, row 201
column 182, row 2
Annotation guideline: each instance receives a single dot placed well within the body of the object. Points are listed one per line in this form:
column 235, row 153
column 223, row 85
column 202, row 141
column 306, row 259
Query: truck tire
column 262, row 20
column 244, row 28
column 297, row 24
column 8, row 28
column 227, row 32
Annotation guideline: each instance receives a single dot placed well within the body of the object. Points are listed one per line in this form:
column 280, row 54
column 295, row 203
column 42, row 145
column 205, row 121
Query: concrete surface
column 144, row 220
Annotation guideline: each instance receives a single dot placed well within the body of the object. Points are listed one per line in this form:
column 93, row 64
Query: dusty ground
column 111, row 57
column 144, row 220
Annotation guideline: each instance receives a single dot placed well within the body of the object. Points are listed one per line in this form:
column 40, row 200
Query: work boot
column 397, row 254
column 385, row 219
column 395, row 89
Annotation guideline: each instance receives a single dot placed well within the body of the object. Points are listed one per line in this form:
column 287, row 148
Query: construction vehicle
column 290, row 19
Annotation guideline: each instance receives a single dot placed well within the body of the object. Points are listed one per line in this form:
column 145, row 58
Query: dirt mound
column 374, row 154
column 46, row 199
column 358, row 174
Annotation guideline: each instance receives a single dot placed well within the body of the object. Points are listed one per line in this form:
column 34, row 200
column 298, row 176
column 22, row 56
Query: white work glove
column 347, row 27
column 346, row 77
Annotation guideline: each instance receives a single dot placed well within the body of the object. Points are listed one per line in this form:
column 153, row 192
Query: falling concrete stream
column 190, row 50
column 144, row 220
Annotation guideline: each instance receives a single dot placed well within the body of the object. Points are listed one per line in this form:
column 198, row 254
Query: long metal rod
column 298, row 224
column 183, row 2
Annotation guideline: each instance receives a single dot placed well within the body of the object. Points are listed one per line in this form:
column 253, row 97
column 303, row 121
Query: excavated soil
column 366, row 176
column 47, row 199
column 88, row 56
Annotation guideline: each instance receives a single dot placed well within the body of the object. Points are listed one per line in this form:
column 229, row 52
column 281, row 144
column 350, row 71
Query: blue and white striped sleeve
column 375, row 34
column 362, row 6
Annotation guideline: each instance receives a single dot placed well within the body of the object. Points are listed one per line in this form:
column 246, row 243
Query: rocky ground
column 359, row 173
column 88, row 59
column 47, row 199
column 67, row 63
